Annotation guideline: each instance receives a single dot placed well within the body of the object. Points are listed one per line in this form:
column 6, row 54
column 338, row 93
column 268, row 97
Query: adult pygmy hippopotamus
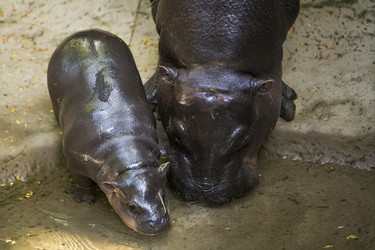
column 218, row 89
column 109, row 134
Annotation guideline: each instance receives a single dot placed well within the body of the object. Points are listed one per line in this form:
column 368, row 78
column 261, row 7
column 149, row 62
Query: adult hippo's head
column 216, row 120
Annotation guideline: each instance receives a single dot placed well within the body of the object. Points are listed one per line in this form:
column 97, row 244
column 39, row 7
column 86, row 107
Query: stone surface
column 328, row 59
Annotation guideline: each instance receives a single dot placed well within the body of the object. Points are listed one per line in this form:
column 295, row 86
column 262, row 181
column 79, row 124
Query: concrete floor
column 296, row 206
column 328, row 59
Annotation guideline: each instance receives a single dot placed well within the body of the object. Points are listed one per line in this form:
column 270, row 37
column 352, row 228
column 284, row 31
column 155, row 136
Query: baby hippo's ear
column 110, row 186
column 163, row 169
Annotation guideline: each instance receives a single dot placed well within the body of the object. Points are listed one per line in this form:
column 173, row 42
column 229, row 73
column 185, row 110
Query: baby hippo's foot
column 82, row 194
column 82, row 189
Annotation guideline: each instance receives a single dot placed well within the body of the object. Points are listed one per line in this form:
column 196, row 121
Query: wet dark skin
column 219, row 90
column 109, row 135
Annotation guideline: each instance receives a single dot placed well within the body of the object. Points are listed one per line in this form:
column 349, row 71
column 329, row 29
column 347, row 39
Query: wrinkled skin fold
column 219, row 90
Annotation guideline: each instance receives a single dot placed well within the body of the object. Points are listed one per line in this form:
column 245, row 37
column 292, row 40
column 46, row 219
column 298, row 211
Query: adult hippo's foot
column 288, row 108
column 151, row 90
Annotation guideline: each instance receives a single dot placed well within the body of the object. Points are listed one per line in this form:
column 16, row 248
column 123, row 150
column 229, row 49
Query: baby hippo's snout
column 138, row 197
column 156, row 226
column 155, row 219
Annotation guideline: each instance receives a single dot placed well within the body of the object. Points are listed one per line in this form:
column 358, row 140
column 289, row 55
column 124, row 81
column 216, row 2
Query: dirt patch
column 296, row 206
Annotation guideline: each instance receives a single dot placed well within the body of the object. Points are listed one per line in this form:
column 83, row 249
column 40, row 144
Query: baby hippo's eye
column 132, row 207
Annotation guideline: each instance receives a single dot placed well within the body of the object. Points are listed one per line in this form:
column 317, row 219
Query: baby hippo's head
column 138, row 197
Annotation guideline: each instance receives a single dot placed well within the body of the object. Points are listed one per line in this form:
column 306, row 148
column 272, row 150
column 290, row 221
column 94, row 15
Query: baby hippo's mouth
column 146, row 223
column 154, row 227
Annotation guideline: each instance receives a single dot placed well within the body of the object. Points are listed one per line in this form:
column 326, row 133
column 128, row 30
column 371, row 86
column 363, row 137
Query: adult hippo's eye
column 264, row 86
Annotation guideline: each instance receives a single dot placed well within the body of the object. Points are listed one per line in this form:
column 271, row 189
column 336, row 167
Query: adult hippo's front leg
column 288, row 107
column 219, row 90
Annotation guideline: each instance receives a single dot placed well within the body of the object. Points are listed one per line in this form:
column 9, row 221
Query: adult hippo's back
column 219, row 89
column 109, row 134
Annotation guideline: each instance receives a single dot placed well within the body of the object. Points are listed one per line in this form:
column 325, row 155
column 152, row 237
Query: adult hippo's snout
column 215, row 133
column 231, row 181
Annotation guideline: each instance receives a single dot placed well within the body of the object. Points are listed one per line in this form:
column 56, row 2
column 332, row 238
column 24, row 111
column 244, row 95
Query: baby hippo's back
column 98, row 99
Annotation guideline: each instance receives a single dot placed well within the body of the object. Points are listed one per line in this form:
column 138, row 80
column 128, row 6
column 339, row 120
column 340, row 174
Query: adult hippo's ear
column 263, row 86
column 151, row 92
column 163, row 168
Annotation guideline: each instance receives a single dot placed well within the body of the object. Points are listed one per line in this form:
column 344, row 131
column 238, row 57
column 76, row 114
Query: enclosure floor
column 329, row 59
column 295, row 206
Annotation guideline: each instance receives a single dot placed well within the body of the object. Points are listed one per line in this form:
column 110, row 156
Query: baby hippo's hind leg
column 83, row 189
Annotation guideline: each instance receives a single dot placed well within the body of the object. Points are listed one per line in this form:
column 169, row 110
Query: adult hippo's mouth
column 214, row 183
column 232, row 180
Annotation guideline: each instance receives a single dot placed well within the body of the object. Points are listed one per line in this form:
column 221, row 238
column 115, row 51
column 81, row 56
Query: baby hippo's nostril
column 153, row 224
column 157, row 224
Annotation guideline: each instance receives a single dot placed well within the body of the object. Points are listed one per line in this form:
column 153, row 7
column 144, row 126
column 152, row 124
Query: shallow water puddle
column 296, row 206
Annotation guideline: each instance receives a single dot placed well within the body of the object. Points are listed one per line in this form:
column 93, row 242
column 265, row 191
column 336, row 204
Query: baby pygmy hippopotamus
column 109, row 134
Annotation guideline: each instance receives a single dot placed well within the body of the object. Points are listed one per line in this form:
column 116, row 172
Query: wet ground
column 296, row 206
